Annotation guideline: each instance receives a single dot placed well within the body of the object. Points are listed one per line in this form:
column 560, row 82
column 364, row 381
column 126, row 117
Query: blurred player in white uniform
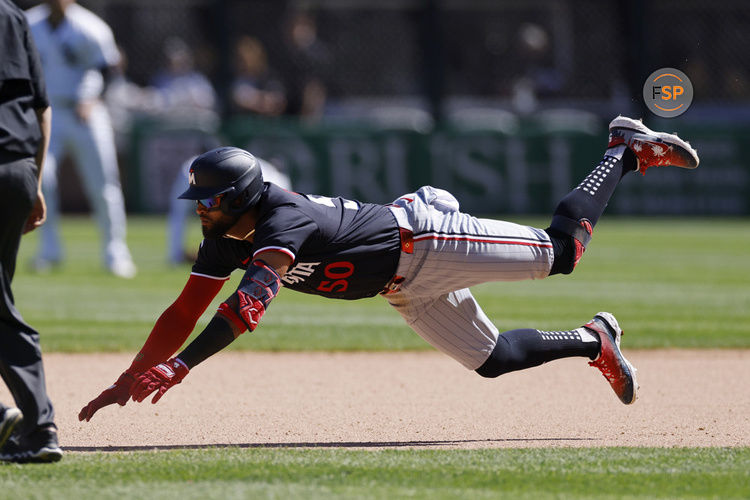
column 77, row 51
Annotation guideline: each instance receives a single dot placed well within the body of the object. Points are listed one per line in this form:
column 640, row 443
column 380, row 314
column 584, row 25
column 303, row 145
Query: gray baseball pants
column 452, row 252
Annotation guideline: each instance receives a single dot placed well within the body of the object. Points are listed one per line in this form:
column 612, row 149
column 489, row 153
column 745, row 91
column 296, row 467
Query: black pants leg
column 20, row 355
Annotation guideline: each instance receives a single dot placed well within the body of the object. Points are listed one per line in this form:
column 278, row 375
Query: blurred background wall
column 503, row 102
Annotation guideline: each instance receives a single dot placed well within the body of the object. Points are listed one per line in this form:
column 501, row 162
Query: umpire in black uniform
column 28, row 434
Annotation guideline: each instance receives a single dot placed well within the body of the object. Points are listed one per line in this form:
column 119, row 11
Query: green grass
column 670, row 282
column 595, row 473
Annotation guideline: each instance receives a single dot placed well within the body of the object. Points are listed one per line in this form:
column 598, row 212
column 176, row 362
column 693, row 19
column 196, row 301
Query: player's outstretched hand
column 159, row 378
column 119, row 392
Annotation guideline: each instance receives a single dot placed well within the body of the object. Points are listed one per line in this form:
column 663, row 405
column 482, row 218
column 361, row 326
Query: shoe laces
column 603, row 367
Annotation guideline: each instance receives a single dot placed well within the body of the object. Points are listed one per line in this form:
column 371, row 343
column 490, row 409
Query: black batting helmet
column 233, row 172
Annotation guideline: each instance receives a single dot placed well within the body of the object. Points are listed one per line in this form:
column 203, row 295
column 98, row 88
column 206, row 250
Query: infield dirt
column 421, row 400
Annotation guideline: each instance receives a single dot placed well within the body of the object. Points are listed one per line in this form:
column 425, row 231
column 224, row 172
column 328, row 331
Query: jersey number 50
column 337, row 272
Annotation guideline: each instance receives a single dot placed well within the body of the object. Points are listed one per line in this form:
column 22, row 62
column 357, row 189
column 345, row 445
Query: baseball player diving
column 421, row 253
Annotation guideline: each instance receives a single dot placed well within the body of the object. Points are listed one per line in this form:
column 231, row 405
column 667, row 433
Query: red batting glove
column 119, row 392
column 159, row 378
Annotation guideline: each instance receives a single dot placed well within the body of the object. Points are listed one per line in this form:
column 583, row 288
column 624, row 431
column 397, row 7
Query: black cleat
column 40, row 446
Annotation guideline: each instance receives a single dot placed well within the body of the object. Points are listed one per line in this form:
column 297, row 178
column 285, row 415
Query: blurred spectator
column 126, row 100
column 537, row 73
column 306, row 72
column 256, row 89
column 78, row 53
column 182, row 88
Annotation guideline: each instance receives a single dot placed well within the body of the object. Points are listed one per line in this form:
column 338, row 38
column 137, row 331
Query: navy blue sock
column 589, row 199
column 578, row 212
column 524, row 348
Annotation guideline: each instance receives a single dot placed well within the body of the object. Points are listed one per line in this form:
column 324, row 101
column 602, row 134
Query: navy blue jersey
column 340, row 248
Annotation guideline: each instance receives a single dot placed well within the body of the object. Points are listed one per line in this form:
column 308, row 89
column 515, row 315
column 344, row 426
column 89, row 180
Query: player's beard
column 218, row 228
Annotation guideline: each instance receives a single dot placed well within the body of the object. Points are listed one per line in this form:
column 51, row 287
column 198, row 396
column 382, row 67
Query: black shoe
column 39, row 446
column 10, row 418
